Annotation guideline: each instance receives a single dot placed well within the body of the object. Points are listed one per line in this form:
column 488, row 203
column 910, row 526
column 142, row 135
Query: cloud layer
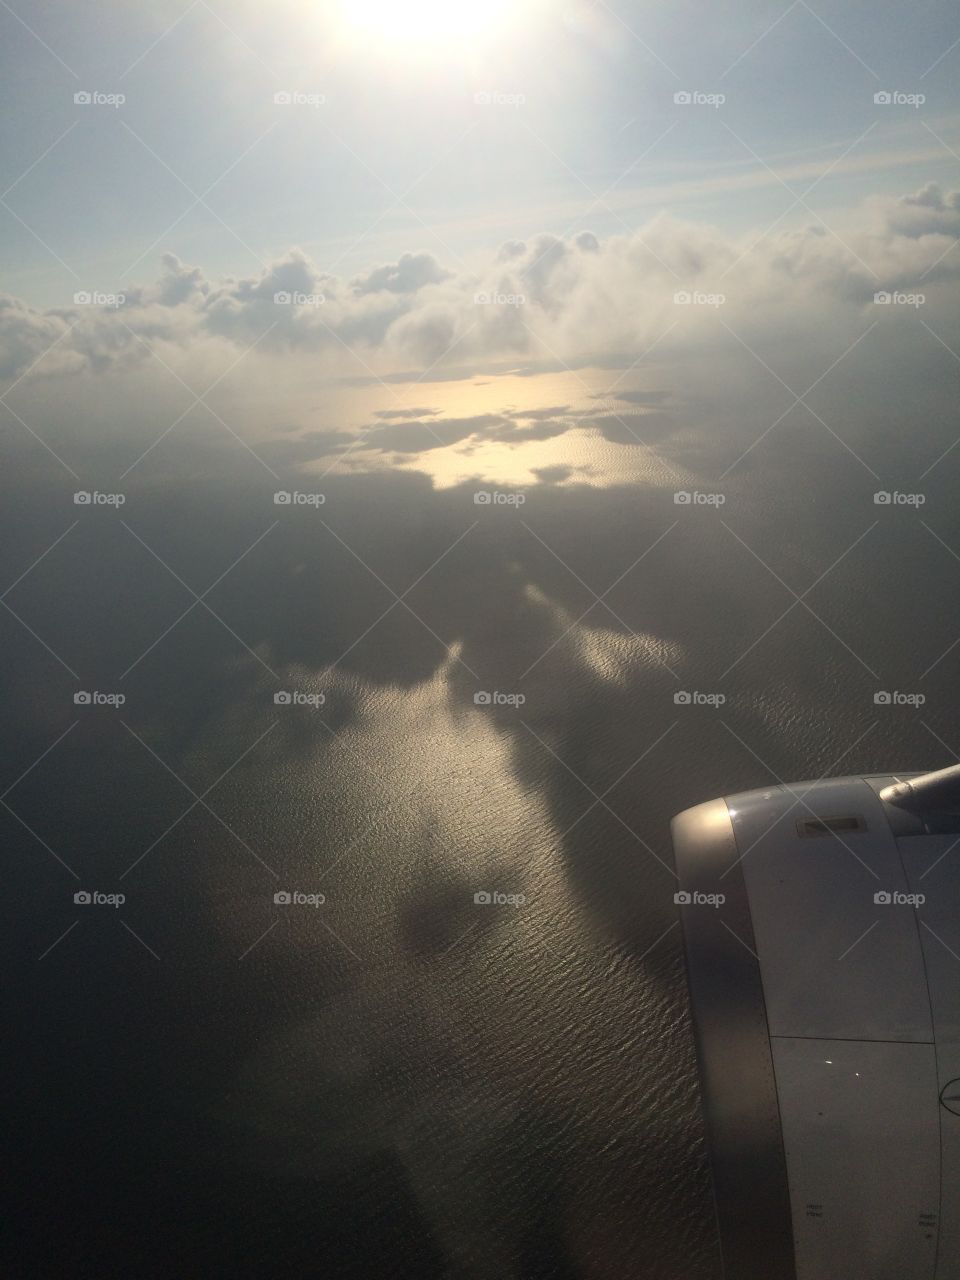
column 569, row 300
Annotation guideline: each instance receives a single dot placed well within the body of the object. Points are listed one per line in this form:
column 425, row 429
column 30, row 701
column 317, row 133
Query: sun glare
column 423, row 22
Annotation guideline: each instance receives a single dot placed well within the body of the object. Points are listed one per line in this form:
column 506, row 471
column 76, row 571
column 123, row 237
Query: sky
column 425, row 357
column 389, row 148
column 305, row 217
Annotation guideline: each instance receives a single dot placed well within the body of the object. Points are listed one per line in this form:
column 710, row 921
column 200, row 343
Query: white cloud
column 412, row 272
column 572, row 299
column 26, row 333
column 928, row 212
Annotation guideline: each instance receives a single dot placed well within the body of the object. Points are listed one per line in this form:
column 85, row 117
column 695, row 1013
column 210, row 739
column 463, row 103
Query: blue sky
column 597, row 141
column 470, row 238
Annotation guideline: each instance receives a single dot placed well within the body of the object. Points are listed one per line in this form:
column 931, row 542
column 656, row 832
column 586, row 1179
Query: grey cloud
column 576, row 302
column 25, row 334
column 928, row 211
column 179, row 281
column 390, row 415
column 307, row 447
column 553, row 411
column 417, row 437
column 558, row 473
column 632, row 428
column 633, row 397
column 537, row 429
column 412, row 272
column 511, row 249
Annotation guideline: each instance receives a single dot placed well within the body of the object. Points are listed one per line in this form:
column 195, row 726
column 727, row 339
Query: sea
column 339, row 936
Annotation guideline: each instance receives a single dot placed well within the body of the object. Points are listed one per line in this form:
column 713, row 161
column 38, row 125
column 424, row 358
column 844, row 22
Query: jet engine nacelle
column 821, row 925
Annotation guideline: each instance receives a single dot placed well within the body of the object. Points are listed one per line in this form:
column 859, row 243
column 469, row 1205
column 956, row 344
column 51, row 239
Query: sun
column 423, row 22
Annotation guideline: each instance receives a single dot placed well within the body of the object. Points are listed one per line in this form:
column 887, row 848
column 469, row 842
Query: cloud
column 390, row 415
column 541, row 302
column 399, row 433
column 558, row 473
column 633, row 397
column 535, row 415
column 632, row 428
column 417, row 437
column 179, row 282
column 510, row 427
column 25, row 334
column 412, row 272
column 928, row 212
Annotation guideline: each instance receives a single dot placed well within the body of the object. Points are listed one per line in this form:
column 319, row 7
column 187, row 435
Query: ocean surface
column 402, row 1081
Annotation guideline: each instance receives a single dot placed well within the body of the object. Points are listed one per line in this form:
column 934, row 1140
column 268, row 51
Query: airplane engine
column 821, row 925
